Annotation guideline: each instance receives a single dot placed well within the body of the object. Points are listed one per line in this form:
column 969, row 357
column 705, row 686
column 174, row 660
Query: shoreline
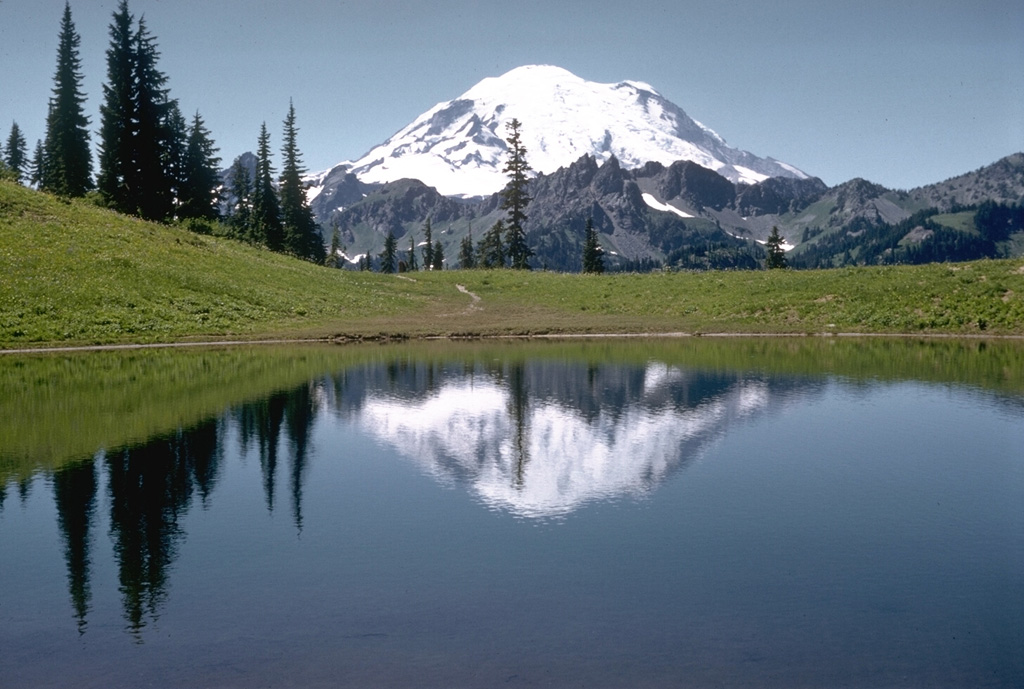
column 341, row 340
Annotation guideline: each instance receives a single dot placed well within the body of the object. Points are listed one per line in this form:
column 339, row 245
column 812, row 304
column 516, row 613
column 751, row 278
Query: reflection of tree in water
column 74, row 492
column 151, row 487
column 260, row 425
column 300, row 413
column 519, row 408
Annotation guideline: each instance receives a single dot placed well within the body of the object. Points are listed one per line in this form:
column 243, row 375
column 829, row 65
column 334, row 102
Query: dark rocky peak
column 609, row 178
column 697, row 185
column 777, row 195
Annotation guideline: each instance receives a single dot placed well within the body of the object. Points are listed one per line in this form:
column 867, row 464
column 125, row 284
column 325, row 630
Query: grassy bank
column 71, row 274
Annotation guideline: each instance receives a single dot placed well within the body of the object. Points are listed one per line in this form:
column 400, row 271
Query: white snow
column 459, row 146
column 464, row 433
column 784, row 246
column 659, row 206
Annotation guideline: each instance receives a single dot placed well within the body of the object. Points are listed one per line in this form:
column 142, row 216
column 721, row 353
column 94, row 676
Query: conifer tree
column 241, row 211
column 438, row 256
column 35, row 175
column 491, row 250
column 301, row 235
column 466, row 258
column 197, row 194
column 16, row 153
column 266, row 212
column 68, row 160
column 137, row 124
column 157, row 130
column 776, row 254
column 428, row 246
column 515, row 198
column 413, row 266
column 593, row 254
column 387, row 257
column 173, row 157
column 333, row 259
column 116, row 157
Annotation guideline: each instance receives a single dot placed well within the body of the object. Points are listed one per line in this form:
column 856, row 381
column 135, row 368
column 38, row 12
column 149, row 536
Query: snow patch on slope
column 659, row 206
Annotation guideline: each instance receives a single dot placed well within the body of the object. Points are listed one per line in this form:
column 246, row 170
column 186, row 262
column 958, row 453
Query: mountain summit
column 459, row 146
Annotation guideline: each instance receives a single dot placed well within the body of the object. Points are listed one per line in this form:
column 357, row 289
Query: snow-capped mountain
column 459, row 146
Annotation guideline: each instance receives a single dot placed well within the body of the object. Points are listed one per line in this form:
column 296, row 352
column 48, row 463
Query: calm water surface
column 524, row 519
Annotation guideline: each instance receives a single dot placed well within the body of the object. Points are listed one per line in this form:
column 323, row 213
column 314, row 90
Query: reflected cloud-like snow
column 537, row 457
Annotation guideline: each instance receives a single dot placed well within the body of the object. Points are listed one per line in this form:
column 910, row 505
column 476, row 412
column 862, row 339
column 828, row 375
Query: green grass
column 71, row 274
column 963, row 221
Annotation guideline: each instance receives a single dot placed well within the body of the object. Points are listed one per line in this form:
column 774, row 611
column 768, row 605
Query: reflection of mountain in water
column 543, row 439
column 535, row 438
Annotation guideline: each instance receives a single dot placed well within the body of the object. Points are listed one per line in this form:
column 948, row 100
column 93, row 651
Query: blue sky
column 901, row 93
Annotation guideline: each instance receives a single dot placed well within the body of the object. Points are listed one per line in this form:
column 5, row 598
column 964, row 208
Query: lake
column 790, row 512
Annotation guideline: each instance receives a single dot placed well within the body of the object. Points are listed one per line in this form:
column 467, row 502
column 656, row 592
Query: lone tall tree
column 593, row 254
column 67, row 161
column 515, row 198
column 776, row 254
column 301, row 235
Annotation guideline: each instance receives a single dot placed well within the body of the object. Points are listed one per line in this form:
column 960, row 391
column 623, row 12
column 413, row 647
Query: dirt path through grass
column 475, row 304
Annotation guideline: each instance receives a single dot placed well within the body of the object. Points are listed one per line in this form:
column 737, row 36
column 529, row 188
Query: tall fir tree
column 67, row 165
column 593, row 254
column 241, row 187
column 428, row 245
column 116, row 157
column 301, row 234
column 515, row 198
column 16, row 153
column 157, row 138
column 438, row 256
column 198, row 191
column 466, row 258
column 266, row 211
column 387, row 257
column 173, row 156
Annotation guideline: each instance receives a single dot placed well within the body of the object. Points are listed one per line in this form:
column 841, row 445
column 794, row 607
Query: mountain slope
column 458, row 146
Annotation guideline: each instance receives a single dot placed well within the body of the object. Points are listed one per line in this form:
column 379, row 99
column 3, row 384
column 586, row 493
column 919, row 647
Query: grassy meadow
column 75, row 274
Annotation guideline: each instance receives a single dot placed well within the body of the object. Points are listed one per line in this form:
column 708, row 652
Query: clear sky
column 903, row 93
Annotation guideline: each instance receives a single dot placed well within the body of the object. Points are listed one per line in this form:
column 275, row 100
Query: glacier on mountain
column 459, row 148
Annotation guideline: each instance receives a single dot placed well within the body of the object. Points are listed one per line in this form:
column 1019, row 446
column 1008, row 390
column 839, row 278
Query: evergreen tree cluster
column 864, row 242
column 276, row 215
column 153, row 163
